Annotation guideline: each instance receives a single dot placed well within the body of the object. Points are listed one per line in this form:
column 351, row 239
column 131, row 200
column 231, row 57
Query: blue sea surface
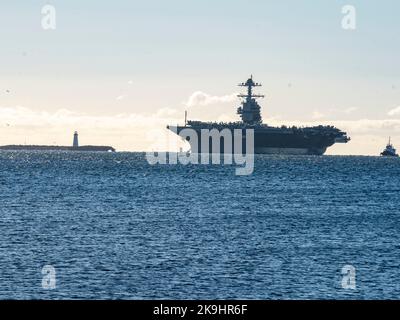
column 115, row 227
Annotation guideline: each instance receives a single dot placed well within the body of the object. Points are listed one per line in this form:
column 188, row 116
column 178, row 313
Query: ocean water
column 114, row 227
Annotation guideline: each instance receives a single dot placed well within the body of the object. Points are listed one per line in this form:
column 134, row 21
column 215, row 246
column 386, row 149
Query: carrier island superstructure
column 267, row 139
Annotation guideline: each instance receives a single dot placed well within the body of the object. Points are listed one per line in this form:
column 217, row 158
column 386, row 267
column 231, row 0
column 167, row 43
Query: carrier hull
column 266, row 140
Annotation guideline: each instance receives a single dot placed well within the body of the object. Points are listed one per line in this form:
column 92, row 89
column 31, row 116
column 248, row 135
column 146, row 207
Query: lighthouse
column 75, row 144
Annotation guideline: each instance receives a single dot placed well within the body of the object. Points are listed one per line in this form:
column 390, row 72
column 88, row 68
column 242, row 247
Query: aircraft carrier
column 267, row 139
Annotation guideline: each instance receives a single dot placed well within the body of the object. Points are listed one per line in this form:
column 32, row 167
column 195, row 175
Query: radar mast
column 250, row 111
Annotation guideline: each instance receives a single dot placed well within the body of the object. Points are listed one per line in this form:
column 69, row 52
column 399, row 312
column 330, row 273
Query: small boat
column 389, row 151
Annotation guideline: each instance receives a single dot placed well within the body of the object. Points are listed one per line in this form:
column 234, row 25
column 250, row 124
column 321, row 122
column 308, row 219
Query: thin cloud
column 200, row 98
column 121, row 97
column 21, row 116
column 394, row 112
column 350, row 110
column 317, row 115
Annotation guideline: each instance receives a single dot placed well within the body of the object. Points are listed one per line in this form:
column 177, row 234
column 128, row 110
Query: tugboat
column 389, row 151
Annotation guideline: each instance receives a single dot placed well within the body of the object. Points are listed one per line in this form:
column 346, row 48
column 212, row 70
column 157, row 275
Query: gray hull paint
column 290, row 151
column 269, row 143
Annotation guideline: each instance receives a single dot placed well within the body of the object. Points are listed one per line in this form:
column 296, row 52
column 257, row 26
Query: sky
column 120, row 71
